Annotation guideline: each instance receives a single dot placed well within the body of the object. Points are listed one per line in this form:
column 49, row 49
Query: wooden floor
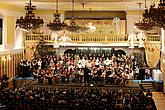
column 159, row 98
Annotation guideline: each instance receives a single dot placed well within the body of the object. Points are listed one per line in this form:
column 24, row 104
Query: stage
column 20, row 81
column 30, row 81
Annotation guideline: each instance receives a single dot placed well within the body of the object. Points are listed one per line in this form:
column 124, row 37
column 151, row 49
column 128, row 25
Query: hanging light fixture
column 73, row 27
column 146, row 23
column 57, row 24
column 29, row 22
column 138, row 22
column 85, row 26
column 157, row 14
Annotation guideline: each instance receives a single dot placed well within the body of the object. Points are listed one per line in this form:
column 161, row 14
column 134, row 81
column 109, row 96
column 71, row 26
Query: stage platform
column 30, row 81
column 20, row 81
column 153, row 85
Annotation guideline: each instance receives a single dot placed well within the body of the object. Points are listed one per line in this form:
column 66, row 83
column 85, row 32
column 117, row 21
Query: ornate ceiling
column 89, row 4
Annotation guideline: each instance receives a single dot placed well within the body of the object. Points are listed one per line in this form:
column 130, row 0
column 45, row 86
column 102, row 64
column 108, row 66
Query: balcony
column 93, row 38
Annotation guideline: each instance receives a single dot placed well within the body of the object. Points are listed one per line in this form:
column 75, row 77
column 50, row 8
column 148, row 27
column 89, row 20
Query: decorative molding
column 134, row 12
column 11, row 52
column 88, row 0
column 102, row 15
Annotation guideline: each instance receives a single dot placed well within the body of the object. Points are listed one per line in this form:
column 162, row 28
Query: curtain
column 152, row 54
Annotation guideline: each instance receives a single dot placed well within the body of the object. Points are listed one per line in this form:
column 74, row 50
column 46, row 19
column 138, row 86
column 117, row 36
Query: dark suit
column 141, row 74
column 86, row 75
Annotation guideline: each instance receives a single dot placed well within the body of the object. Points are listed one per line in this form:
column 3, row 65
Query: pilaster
column 9, row 33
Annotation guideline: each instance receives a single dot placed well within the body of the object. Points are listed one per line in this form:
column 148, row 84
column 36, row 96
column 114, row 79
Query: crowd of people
column 75, row 99
column 82, row 68
column 85, row 68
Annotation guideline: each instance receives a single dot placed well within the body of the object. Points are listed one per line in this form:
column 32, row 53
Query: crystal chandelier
column 57, row 24
column 146, row 23
column 157, row 15
column 73, row 27
column 29, row 22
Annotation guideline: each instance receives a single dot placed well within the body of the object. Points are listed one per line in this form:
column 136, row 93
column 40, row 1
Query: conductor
column 86, row 75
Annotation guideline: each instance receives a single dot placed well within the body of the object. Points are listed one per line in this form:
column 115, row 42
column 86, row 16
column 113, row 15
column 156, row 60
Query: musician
column 97, row 63
column 35, row 74
column 112, row 77
column 108, row 72
column 25, row 69
column 75, row 74
column 40, row 77
column 102, row 77
column 49, row 77
column 90, row 75
column 81, row 74
column 95, row 75
column 35, row 65
column 86, row 75
column 99, row 72
column 39, row 63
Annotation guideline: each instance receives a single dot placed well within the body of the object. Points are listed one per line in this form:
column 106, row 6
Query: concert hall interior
column 82, row 54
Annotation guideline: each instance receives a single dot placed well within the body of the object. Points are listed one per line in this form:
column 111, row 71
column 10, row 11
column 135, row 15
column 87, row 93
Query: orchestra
column 85, row 69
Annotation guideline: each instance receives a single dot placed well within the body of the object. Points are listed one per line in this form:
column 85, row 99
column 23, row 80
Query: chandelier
column 145, row 23
column 29, row 22
column 73, row 27
column 57, row 24
column 156, row 14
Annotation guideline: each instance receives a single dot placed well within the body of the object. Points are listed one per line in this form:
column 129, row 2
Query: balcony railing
column 98, row 38
column 93, row 38
column 153, row 38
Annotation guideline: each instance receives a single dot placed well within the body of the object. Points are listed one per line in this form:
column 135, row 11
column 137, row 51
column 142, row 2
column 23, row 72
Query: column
column 9, row 33
column 162, row 38
column 131, row 18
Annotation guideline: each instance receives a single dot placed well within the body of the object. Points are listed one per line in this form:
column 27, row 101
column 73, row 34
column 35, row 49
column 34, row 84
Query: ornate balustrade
column 35, row 37
column 98, row 38
column 92, row 38
column 83, row 38
column 153, row 38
